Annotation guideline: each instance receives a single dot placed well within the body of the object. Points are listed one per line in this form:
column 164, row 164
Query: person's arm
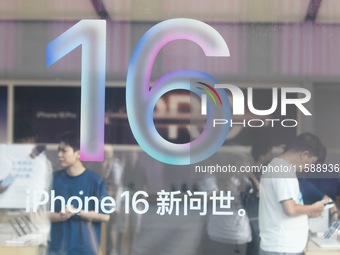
column 60, row 216
column 255, row 181
column 94, row 216
column 333, row 210
column 293, row 209
column 88, row 216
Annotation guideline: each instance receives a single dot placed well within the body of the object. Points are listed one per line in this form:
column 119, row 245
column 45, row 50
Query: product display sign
column 23, row 168
column 39, row 109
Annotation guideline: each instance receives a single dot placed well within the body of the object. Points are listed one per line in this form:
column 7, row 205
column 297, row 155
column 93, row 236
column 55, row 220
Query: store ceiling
column 244, row 11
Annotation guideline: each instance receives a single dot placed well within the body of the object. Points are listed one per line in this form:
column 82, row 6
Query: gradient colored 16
column 141, row 99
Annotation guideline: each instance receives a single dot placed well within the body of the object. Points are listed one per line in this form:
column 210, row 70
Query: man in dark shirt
column 75, row 233
column 311, row 194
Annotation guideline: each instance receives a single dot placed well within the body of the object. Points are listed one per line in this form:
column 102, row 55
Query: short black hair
column 308, row 142
column 71, row 139
column 259, row 149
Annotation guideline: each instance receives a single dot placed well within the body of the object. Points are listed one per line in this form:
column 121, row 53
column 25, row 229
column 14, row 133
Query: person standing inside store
column 73, row 234
column 283, row 217
column 262, row 153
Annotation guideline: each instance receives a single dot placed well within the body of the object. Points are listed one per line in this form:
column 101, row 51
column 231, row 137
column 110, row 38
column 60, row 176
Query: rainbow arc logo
column 213, row 94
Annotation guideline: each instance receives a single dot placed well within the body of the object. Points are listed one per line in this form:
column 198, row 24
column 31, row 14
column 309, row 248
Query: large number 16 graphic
column 140, row 97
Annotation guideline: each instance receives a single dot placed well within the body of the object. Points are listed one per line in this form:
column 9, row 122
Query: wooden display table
column 314, row 249
column 20, row 250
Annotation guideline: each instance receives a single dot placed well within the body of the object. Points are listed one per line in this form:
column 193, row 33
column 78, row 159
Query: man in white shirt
column 282, row 215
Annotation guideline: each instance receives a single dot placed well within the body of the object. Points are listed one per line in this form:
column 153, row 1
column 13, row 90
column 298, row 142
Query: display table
column 314, row 249
column 21, row 250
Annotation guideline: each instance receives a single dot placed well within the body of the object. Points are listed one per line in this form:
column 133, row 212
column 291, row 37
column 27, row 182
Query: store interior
column 272, row 44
